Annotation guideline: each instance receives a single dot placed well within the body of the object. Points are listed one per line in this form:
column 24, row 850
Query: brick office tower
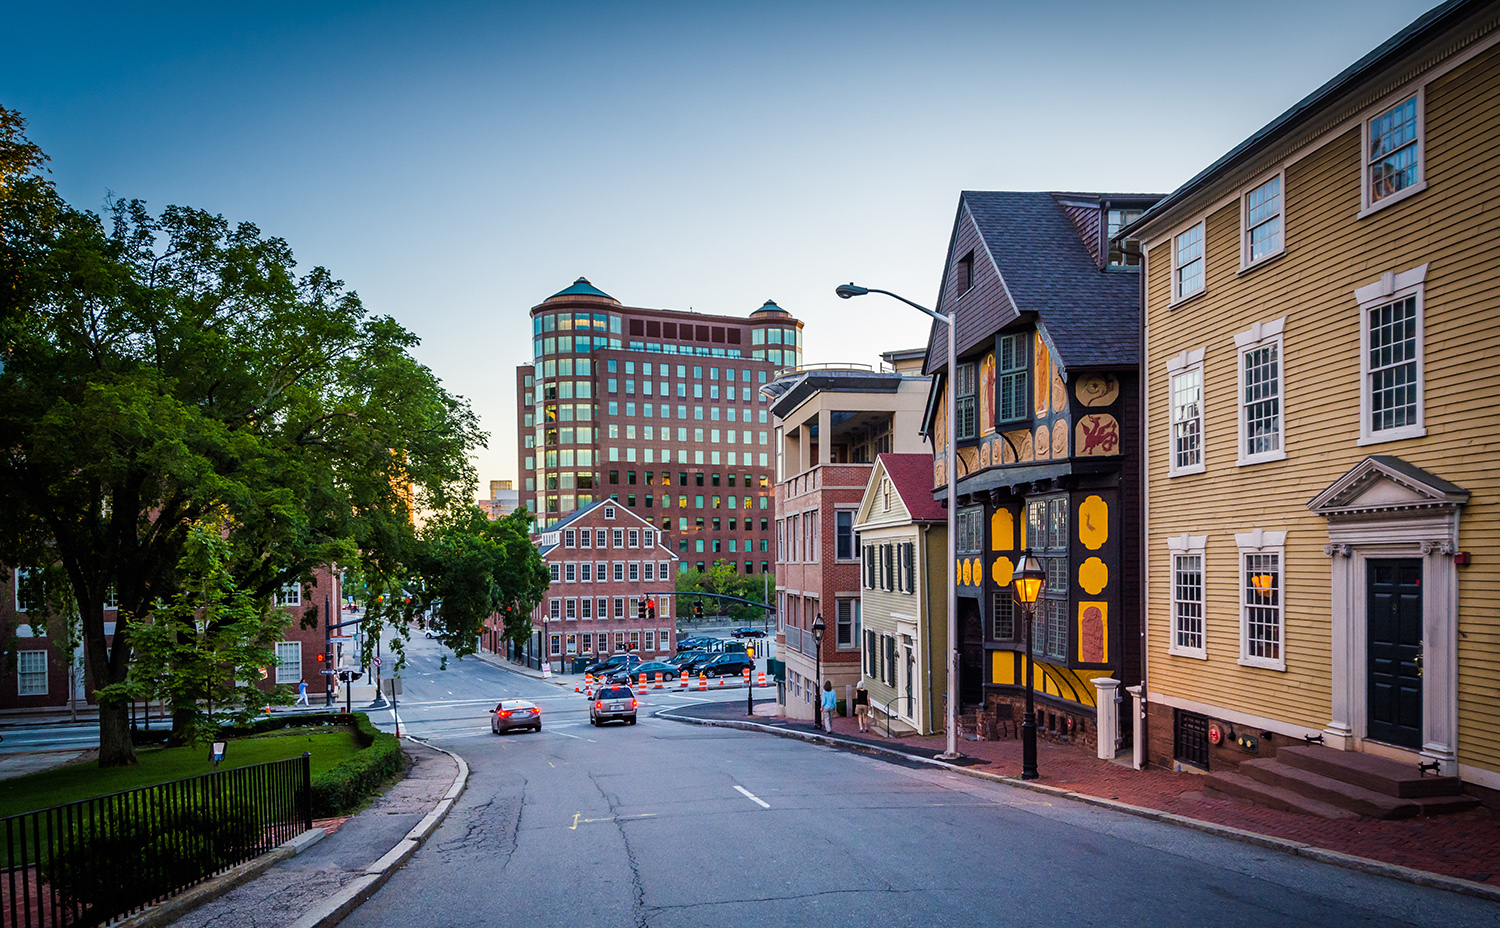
column 659, row 410
column 603, row 561
column 831, row 423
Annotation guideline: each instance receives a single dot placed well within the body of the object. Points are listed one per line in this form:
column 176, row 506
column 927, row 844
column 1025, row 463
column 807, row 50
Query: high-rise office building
column 660, row 410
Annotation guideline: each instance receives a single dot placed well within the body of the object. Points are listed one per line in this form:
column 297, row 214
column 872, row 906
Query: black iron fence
column 88, row 862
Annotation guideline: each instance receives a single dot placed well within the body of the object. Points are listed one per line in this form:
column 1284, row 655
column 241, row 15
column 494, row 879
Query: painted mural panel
column 1043, row 380
column 987, row 394
column 1097, row 389
column 1093, row 632
column 1098, row 434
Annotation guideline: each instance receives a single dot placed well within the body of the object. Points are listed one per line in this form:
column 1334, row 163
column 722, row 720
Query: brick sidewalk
column 1466, row 845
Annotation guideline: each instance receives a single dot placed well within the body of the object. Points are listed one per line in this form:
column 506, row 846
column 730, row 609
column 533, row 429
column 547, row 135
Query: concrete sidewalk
column 1465, row 846
column 305, row 888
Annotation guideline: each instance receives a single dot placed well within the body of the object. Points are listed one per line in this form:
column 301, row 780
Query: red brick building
column 604, row 560
column 660, row 411
column 34, row 673
column 831, row 424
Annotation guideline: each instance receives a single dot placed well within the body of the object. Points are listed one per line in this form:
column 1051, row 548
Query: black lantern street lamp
column 1027, row 583
column 817, row 633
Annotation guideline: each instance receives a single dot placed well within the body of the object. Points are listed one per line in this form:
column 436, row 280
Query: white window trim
column 1261, row 542
column 1185, row 362
column 1186, row 545
column 1246, row 264
column 1390, row 288
column 1366, row 205
column 1178, row 298
column 283, row 675
column 1258, row 336
column 46, row 674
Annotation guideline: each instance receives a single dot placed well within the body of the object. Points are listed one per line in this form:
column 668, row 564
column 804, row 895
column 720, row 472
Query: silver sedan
column 515, row 713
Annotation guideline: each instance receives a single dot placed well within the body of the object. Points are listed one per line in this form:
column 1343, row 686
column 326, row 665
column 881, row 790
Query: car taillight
column 633, row 704
column 504, row 715
column 599, row 705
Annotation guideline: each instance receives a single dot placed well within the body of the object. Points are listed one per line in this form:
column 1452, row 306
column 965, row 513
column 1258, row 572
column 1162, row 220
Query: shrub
column 113, row 858
column 347, row 785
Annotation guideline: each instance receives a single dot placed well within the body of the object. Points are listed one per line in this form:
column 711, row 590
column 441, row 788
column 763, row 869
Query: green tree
column 471, row 568
column 721, row 578
column 204, row 652
column 176, row 365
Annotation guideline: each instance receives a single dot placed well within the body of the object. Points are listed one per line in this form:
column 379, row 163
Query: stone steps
column 1238, row 786
column 1340, row 784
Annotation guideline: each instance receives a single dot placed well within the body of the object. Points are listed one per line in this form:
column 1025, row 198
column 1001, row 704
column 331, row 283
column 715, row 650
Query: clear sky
column 456, row 163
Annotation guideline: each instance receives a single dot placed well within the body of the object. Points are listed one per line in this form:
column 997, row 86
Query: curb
column 181, row 904
column 336, row 907
column 1285, row 846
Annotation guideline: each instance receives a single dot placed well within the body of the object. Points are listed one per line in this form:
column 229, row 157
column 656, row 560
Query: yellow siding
column 1455, row 226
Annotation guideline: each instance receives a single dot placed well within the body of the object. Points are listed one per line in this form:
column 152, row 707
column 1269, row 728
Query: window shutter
column 890, row 660
column 911, row 567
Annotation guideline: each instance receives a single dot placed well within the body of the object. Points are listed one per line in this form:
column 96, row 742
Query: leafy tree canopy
column 164, row 366
column 723, row 579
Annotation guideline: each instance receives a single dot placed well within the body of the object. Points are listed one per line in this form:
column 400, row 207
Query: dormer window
column 1014, row 363
column 1118, row 219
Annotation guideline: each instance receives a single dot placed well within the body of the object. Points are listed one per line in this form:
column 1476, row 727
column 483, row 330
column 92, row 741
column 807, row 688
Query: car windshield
column 615, row 692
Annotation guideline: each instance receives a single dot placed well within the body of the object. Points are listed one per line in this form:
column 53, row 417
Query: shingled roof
column 1087, row 314
column 911, row 475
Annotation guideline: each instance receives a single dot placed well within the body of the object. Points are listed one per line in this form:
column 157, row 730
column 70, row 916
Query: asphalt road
column 667, row 824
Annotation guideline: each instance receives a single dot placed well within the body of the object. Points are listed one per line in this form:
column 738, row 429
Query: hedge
column 344, row 787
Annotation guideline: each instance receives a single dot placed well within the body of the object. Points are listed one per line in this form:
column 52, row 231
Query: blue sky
column 456, row 163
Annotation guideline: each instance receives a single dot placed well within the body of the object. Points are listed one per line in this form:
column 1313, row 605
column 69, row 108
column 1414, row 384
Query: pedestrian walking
column 302, row 694
column 830, row 704
column 862, row 706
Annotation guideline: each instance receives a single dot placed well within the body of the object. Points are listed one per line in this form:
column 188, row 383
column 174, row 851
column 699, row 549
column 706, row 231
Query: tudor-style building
column 603, row 561
column 1047, row 402
column 1321, row 379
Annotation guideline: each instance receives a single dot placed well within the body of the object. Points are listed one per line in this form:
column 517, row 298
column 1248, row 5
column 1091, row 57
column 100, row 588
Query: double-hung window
column 1262, row 223
column 847, row 629
column 1186, row 393
column 846, row 540
column 1394, row 143
column 1187, row 263
column 1186, row 578
column 1390, row 337
column 1262, row 608
column 289, row 595
column 31, row 672
column 966, row 398
column 1117, row 220
column 1014, row 362
column 1261, row 399
column 288, row 662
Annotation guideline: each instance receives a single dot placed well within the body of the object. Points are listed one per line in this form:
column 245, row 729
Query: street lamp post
column 817, row 633
column 1027, row 584
column 950, row 723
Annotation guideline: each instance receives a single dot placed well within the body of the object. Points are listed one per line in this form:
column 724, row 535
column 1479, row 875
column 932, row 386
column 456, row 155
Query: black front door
column 971, row 653
column 1393, row 699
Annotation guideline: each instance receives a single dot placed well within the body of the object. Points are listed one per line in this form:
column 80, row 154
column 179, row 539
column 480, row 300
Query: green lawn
column 329, row 747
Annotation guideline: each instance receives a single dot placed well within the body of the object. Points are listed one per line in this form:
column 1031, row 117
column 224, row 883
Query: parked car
column 611, row 664
column 728, row 665
column 693, row 644
column 613, row 703
column 748, row 632
column 631, row 673
column 695, row 661
column 513, row 714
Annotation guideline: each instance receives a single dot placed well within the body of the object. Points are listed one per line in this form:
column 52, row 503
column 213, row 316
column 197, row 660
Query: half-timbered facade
column 1046, row 406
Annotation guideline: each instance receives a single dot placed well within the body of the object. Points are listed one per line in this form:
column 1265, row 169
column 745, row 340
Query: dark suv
column 612, row 703
column 732, row 664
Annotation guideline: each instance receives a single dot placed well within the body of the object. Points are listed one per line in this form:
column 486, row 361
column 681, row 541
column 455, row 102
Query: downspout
column 1138, row 749
column 927, row 610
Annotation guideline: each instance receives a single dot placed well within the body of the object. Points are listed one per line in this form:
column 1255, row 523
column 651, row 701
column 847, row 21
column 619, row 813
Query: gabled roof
column 1386, row 483
column 1088, row 315
column 911, row 477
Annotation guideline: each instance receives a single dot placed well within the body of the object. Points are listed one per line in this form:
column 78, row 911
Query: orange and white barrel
column 684, row 682
column 702, row 680
column 747, row 676
column 643, row 680
column 659, row 677
column 761, row 680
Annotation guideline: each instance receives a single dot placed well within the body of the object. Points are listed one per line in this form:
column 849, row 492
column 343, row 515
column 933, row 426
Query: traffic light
column 650, row 608
column 321, row 658
column 640, row 609
column 698, row 609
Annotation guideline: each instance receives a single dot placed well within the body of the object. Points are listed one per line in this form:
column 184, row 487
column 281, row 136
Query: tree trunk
column 182, row 727
column 115, row 747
